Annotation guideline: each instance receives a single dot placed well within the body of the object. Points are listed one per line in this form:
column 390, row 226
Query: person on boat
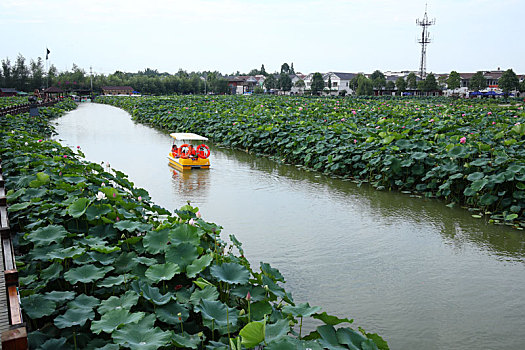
column 174, row 150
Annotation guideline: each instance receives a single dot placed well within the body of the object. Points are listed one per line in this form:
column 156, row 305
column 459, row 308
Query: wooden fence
column 24, row 108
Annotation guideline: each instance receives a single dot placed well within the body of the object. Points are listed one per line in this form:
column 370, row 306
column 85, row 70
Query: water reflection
column 188, row 183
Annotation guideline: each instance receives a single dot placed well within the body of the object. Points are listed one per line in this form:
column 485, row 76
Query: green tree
column 453, row 80
column 329, row 84
column 317, row 83
column 7, row 73
column 522, row 86
column 285, row 82
column 270, row 82
column 430, row 83
column 390, row 85
column 263, row 71
column 364, row 86
column 412, row 81
column 21, row 74
column 37, row 73
column 401, row 85
column 300, row 84
column 292, row 70
column 509, row 81
column 378, row 80
column 285, row 68
column 477, row 82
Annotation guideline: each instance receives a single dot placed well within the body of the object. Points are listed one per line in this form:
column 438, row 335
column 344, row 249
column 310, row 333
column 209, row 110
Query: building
column 340, row 82
column 4, row 92
column 117, row 90
column 242, row 84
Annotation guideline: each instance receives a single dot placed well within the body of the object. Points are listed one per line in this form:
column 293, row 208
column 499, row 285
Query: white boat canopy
column 187, row 136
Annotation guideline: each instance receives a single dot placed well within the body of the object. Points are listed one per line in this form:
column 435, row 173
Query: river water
column 420, row 274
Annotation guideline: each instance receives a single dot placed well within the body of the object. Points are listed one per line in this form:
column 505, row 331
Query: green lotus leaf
column 257, row 293
column 218, row 312
column 331, row 320
column 18, row 206
column 475, row 176
column 198, row 265
column 91, row 241
column 74, row 317
column 83, row 302
column 67, row 253
column 184, row 233
column 142, row 335
column 271, row 272
column 53, row 344
column 78, row 207
column 208, row 293
column 36, row 338
column 456, row 152
column 132, row 226
column 40, row 253
column 301, row 310
column 27, row 280
column 169, row 313
column 182, row 254
column 103, row 258
column 288, row 343
column 125, row 263
column 47, row 235
column 52, row 272
column 277, row 330
column 151, row 293
column 260, row 309
column 114, row 319
column 37, row 306
column 125, row 301
column 108, row 347
column 329, row 339
column 232, row 273
column 86, row 274
column 273, row 287
column 95, row 212
column 186, row 340
column 59, row 296
column 156, row 241
column 145, row 261
column 114, row 281
column 105, row 249
column 350, row 337
column 42, row 177
column 253, row 333
column 162, row 272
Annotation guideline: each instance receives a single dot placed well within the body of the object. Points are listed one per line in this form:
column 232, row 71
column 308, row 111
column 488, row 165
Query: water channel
column 422, row 275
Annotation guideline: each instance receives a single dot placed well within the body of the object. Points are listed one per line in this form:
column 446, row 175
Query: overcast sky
column 237, row 35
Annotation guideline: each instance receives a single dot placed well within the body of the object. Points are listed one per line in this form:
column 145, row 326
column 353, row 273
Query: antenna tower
column 424, row 40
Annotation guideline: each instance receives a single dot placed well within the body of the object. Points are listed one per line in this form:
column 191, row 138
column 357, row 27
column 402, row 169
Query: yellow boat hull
column 183, row 164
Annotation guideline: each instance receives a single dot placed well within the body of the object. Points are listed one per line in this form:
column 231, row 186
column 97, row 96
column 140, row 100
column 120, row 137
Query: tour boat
column 188, row 156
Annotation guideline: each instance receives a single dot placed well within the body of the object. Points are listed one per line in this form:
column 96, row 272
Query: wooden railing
column 24, row 108
column 15, row 337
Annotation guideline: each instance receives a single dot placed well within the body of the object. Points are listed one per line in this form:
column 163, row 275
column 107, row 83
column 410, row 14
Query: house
column 340, row 82
column 8, row 92
column 117, row 90
column 241, row 84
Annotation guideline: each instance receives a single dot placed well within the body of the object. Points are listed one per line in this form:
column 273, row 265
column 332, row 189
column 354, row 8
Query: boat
column 187, row 156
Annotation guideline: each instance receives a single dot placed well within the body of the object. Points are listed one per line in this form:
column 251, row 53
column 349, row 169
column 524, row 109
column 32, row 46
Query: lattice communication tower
column 424, row 40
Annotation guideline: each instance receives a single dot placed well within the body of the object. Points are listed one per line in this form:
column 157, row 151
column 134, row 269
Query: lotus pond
column 102, row 267
column 467, row 152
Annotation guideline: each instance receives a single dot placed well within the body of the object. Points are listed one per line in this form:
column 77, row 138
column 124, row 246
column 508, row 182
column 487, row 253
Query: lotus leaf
column 273, row 287
column 78, row 207
column 132, row 226
column 184, row 233
column 271, row 272
column 114, row 319
column 260, row 309
column 169, row 313
column 331, row 320
column 59, row 297
column 142, row 336
column 95, row 212
column 52, row 272
column 253, row 334
column 103, row 258
column 350, row 337
column 475, row 176
column 156, row 241
column 83, row 302
column 105, row 249
column 216, row 311
column 74, row 317
column 145, row 261
column 125, row 263
column 54, row 344
column 208, row 293
column 108, row 347
column 257, row 293
column 301, row 310
column 151, row 293
column 232, row 273
column 18, row 206
column 125, row 301
column 277, row 330
column 198, row 265
column 67, row 253
column 114, row 281
column 329, row 339
column 46, row 235
column 37, row 306
column 86, row 274
column 186, row 341
column 162, row 272
column 182, row 254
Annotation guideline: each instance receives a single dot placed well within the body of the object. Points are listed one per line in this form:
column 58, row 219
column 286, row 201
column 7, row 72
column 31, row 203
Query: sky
column 240, row 35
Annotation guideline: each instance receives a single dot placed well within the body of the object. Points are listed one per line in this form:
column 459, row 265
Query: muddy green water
column 420, row 274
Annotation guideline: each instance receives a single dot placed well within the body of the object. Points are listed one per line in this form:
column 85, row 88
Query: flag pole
column 47, row 67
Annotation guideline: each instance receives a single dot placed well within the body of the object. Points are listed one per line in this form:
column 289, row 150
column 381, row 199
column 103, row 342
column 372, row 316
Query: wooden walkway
column 12, row 329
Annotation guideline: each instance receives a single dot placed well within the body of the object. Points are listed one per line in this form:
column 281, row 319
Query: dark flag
column 48, row 52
